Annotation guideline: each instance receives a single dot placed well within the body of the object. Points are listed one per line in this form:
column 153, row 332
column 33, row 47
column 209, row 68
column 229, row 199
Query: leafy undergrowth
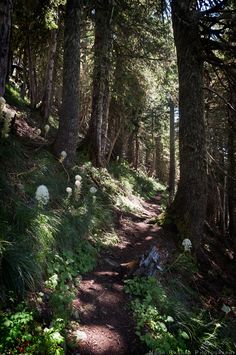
column 171, row 317
column 45, row 247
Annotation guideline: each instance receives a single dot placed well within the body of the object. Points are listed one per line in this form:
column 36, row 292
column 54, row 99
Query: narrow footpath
column 103, row 306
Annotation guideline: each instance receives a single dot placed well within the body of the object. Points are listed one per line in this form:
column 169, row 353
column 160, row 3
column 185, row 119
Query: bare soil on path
column 102, row 304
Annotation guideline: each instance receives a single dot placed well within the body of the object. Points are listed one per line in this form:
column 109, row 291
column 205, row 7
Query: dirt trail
column 101, row 302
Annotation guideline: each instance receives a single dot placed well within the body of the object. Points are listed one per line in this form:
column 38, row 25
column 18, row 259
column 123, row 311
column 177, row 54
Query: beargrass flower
column 2, row 103
column 187, row 244
column 63, row 156
column 46, row 129
column 38, row 131
column 2, row 100
column 93, row 190
column 77, row 189
column 77, row 184
column 42, row 194
column 69, row 191
column 78, row 177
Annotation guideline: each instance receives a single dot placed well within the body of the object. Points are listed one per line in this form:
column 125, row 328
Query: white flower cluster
column 187, row 244
column 2, row 104
column 93, row 190
column 78, row 179
column 5, row 118
column 42, row 195
column 46, row 129
column 77, row 189
column 63, row 156
column 7, row 124
column 69, row 191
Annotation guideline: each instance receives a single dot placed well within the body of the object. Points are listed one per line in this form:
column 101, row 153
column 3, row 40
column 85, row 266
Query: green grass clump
column 80, row 225
column 31, row 233
column 135, row 181
column 13, row 97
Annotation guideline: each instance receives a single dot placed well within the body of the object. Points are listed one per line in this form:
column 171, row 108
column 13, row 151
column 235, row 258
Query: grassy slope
column 32, row 234
column 46, row 248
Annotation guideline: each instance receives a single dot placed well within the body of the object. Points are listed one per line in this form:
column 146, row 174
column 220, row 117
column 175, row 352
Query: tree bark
column 189, row 207
column 131, row 149
column 160, row 170
column 136, row 156
column 67, row 136
column 106, row 104
column 101, row 77
column 232, row 170
column 32, row 74
column 172, row 151
column 5, row 29
column 23, row 87
column 47, row 95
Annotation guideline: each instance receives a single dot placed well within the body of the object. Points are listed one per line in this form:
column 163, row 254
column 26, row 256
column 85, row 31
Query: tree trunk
column 232, row 170
column 101, row 77
column 119, row 147
column 23, row 87
column 131, row 149
column 160, row 163
column 136, row 156
column 106, row 104
column 213, row 199
column 67, row 136
column 189, row 207
column 5, row 28
column 32, row 75
column 113, row 145
column 148, row 160
column 47, row 96
column 172, row 152
column 153, row 163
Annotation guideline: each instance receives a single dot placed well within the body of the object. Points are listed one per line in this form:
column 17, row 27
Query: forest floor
column 105, row 318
